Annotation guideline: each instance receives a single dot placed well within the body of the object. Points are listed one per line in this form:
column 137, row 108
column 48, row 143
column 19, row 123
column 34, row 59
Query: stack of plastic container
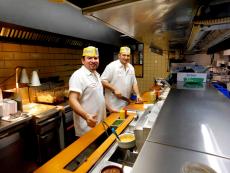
column 222, row 89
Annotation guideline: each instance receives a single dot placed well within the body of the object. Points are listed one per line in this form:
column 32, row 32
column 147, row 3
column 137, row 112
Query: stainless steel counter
column 157, row 158
column 196, row 120
column 38, row 112
column 5, row 125
column 192, row 127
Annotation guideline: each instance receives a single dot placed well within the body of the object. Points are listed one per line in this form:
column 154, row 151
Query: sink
column 125, row 157
column 82, row 157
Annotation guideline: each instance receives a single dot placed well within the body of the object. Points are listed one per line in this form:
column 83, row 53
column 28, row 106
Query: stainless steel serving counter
column 192, row 125
column 157, row 158
column 33, row 113
column 5, row 125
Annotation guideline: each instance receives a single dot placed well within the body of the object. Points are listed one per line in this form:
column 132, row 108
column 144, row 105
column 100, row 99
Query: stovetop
column 36, row 108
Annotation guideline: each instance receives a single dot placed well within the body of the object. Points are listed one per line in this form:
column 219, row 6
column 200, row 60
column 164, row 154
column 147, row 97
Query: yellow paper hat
column 125, row 50
column 90, row 51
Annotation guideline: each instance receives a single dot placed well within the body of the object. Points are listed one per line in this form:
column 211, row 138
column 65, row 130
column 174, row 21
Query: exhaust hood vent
column 92, row 5
column 173, row 19
column 20, row 34
column 156, row 49
column 211, row 28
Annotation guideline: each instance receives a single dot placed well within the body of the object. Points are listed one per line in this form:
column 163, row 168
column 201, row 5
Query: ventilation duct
column 211, row 26
column 24, row 35
column 202, row 31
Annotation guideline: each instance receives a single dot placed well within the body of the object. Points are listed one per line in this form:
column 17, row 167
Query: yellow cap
column 90, row 51
column 125, row 50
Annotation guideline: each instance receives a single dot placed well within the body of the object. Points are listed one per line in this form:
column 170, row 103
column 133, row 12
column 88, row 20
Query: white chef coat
column 123, row 79
column 92, row 100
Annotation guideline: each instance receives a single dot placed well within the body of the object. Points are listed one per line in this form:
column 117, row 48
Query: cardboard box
column 183, row 77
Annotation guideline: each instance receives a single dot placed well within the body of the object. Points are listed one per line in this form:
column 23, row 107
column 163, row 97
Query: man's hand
column 139, row 100
column 113, row 111
column 91, row 120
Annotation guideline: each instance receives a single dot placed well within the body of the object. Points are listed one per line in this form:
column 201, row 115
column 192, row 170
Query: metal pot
column 127, row 141
column 112, row 168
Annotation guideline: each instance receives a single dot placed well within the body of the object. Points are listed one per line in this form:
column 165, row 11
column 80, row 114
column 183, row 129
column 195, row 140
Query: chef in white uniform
column 119, row 80
column 86, row 93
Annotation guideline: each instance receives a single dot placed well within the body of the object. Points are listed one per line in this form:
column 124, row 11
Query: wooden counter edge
column 58, row 162
column 93, row 158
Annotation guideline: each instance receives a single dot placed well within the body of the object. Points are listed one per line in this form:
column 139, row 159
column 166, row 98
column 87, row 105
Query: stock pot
column 127, row 141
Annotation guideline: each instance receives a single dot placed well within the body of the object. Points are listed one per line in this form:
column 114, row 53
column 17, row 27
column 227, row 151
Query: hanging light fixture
column 24, row 77
column 35, row 79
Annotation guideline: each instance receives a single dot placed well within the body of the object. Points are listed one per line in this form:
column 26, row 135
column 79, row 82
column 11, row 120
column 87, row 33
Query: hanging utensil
column 125, row 99
column 115, row 133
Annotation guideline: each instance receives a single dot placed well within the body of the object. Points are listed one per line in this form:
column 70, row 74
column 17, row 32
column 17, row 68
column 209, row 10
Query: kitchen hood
column 59, row 21
column 26, row 35
column 211, row 26
column 191, row 26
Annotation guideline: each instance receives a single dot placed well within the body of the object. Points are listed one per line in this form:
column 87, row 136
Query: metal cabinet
column 47, row 141
column 68, row 126
column 16, row 154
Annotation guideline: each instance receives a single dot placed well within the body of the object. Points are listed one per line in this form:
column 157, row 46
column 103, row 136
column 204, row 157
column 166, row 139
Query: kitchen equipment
column 14, row 117
column 68, row 126
column 35, row 79
column 125, row 99
column 51, row 94
column 122, row 113
column 151, row 97
column 116, row 123
column 8, row 107
column 16, row 153
column 158, row 158
column 197, row 168
column 111, row 169
column 46, row 123
column 125, row 157
column 127, row 141
column 114, row 132
column 133, row 97
column 47, row 131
